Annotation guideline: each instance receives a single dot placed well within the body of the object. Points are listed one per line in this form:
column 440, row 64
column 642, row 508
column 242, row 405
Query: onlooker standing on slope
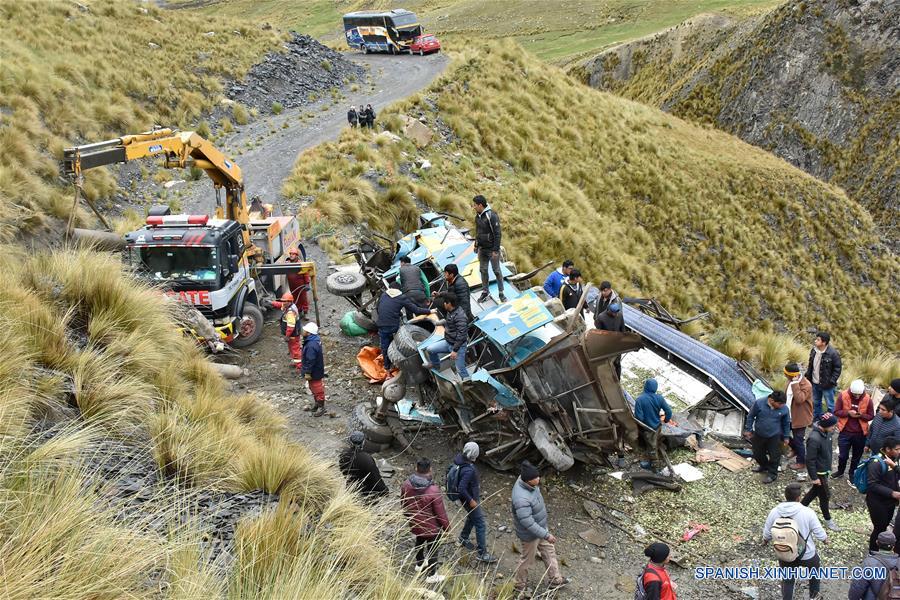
column 818, row 465
column 853, row 408
column 885, row 424
column 424, row 508
column 487, row 242
column 352, row 116
column 530, row 519
column 883, row 558
column 469, row 490
column 554, row 280
column 313, row 367
column 788, row 515
column 768, row 426
column 882, row 492
column 655, row 579
column 571, row 291
column 823, row 370
column 369, row 114
column 799, row 401
column 360, row 470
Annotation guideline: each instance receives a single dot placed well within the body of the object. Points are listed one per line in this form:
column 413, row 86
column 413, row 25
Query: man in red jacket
column 298, row 283
column 423, row 505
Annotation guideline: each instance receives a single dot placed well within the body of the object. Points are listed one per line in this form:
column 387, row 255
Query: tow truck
column 225, row 266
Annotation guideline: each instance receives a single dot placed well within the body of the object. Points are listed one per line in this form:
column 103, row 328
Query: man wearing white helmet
column 854, row 411
column 313, row 368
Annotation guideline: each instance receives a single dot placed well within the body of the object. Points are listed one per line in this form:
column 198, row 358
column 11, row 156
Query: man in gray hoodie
column 810, row 530
column 530, row 518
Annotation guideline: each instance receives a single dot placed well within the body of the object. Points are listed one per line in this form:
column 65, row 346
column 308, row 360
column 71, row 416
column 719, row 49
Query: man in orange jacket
column 854, row 410
column 290, row 326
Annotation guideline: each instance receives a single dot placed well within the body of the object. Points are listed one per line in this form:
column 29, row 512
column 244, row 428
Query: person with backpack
column 654, row 582
column 876, row 588
column 818, row 465
column 853, row 408
column 530, row 519
column 793, row 529
column 768, row 426
column 464, row 485
column 799, row 401
column 880, row 487
column 885, row 424
column 424, row 509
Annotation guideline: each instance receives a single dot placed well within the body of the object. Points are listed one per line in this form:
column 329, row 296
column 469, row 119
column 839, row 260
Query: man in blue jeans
column 469, row 489
column 390, row 309
column 456, row 336
column 823, row 371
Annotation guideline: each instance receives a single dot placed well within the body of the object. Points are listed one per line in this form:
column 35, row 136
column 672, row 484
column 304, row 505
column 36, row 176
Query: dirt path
column 272, row 156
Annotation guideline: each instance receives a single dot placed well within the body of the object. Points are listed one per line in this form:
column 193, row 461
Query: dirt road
column 272, row 155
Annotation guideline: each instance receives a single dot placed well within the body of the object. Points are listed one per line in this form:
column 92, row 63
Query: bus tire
column 421, row 53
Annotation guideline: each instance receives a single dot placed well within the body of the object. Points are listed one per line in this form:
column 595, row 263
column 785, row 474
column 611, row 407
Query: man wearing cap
column 298, row 283
column 313, row 367
column 810, row 530
column 768, row 426
column 390, row 310
column 469, row 489
column 823, row 370
column 799, row 401
column 818, row 465
column 655, row 579
column 360, row 470
column 893, row 390
column 882, row 558
column 530, row 519
column 853, row 408
column 607, row 296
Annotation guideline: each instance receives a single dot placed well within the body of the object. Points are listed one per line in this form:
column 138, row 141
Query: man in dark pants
column 469, row 489
column 882, row 492
column 809, row 529
column 413, row 283
column 818, row 465
column 611, row 320
column 423, row 506
column 823, row 370
column 390, row 307
column 768, row 427
column 853, row 408
column 885, row 424
column 487, row 242
column 360, row 470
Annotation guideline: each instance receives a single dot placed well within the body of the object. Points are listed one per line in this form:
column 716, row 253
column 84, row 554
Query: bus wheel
column 421, row 53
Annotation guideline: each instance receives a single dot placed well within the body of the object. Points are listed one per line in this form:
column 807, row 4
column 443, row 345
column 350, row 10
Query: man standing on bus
column 487, row 242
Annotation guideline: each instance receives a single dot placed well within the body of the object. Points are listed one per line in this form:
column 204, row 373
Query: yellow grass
column 659, row 206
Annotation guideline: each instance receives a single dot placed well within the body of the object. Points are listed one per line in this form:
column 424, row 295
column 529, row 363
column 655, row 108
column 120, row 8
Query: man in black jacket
column 571, row 290
column 882, row 492
column 390, row 307
column 818, row 465
column 607, row 297
column 611, row 320
column 487, row 242
column 458, row 286
column 360, row 470
column 823, row 372
column 352, row 116
column 456, row 337
column 413, row 283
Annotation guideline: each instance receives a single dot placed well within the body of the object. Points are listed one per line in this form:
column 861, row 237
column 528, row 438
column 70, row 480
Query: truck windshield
column 174, row 263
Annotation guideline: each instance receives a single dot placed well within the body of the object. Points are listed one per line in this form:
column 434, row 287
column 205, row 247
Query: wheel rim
column 345, row 278
column 247, row 327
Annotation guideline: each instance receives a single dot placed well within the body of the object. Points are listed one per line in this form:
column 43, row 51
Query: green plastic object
column 349, row 326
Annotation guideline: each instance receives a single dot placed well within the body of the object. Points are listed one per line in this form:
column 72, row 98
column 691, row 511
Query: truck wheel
column 345, row 283
column 364, row 321
column 250, row 326
column 409, row 337
column 361, row 420
column 551, row 446
column 393, row 389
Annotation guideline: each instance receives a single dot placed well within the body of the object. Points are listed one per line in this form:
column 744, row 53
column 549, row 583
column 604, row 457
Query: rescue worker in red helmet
column 298, row 283
column 290, row 326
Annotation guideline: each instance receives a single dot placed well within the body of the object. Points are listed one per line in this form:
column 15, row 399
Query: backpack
column 786, row 540
column 639, row 592
column 861, row 474
column 453, row 482
column 890, row 587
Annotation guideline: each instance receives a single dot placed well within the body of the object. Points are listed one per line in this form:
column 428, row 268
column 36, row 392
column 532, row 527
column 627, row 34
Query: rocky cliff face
column 814, row 81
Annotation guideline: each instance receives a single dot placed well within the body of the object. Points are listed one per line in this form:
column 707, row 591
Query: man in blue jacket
column 553, row 283
column 646, row 410
column 313, row 367
column 390, row 307
column 469, row 489
column 768, row 427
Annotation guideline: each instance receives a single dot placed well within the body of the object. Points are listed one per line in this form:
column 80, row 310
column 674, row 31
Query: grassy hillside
column 557, row 31
column 94, row 70
column 661, row 207
column 93, row 361
column 815, row 82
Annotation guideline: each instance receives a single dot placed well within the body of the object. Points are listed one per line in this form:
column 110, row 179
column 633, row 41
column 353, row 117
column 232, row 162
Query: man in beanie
column 530, row 518
column 768, row 425
column 818, row 465
column 655, row 579
column 810, row 530
column 607, row 296
column 823, row 370
column 885, row 424
column 360, row 470
column 883, row 558
column 893, row 390
column 313, row 367
column 853, row 408
column 799, row 401
column 469, row 489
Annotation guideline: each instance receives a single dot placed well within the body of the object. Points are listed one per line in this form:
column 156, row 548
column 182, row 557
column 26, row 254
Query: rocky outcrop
column 814, row 81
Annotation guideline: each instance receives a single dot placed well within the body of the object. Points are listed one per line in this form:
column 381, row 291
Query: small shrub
column 239, row 114
column 277, row 108
column 326, row 64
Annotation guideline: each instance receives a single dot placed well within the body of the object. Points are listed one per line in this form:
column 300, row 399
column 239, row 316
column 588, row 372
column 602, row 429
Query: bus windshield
column 404, row 20
column 176, row 263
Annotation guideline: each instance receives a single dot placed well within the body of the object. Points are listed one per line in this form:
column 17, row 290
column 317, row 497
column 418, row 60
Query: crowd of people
column 364, row 117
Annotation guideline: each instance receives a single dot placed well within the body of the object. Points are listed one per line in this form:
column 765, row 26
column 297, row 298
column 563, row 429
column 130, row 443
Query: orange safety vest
column 845, row 397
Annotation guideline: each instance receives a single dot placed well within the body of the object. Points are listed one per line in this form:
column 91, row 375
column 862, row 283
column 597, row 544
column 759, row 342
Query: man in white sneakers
column 793, row 530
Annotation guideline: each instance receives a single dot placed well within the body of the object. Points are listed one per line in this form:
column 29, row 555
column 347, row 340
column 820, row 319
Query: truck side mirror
column 233, row 263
